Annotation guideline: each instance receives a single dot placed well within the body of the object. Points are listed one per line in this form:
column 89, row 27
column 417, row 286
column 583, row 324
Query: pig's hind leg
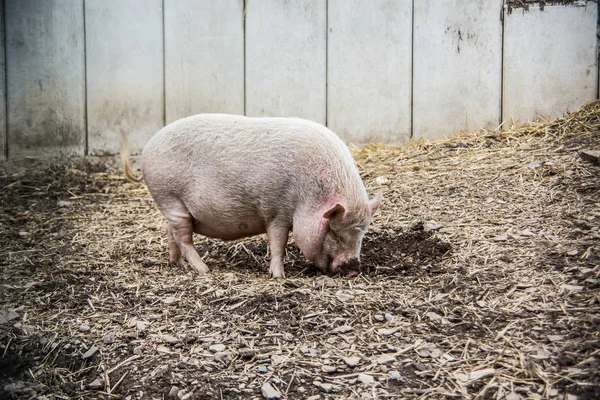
column 180, row 241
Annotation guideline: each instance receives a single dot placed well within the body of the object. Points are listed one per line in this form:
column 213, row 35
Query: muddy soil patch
column 413, row 250
column 385, row 251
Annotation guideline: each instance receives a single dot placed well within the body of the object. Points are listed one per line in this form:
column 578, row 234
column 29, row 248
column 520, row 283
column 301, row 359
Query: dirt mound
column 393, row 251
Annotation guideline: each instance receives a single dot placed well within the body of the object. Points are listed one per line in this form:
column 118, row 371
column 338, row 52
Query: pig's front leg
column 278, row 237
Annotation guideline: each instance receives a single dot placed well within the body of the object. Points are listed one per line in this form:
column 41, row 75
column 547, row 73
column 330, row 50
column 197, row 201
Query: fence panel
column 457, row 66
column 550, row 61
column 368, row 69
column 285, row 58
column 361, row 67
column 204, row 57
column 45, row 77
column 3, row 142
column 124, row 72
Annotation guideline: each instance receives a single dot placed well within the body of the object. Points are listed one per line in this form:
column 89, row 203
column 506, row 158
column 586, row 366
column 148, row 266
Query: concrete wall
column 550, row 61
column 125, row 89
column 45, row 77
column 78, row 73
column 204, row 57
column 457, row 66
column 285, row 58
column 3, row 142
column 369, row 69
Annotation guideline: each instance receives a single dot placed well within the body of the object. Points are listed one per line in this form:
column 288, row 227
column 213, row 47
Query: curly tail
column 125, row 151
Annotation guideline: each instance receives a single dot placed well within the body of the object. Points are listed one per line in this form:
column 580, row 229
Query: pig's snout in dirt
column 350, row 267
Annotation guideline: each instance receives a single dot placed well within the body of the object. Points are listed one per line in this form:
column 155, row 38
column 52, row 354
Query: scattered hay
column 481, row 280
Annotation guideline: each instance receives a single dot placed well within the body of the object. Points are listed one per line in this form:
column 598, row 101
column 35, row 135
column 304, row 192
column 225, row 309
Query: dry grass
column 89, row 307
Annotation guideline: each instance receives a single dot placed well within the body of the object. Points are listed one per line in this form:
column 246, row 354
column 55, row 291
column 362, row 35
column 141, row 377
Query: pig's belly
column 229, row 227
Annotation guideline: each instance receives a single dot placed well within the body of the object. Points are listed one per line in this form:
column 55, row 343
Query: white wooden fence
column 78, row 72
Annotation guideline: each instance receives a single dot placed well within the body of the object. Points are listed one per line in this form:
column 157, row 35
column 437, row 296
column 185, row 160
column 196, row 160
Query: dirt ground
column 480, row 279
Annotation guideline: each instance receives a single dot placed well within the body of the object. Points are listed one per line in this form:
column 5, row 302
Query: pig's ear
column 334, row 212
column 375, row 202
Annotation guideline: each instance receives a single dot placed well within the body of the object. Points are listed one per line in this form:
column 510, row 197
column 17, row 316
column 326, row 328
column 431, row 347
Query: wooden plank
column 45, row 77
column 210, row 78
column 550, row 62
column 369, row 69
column 457, row 66
column 3, row 144
column 285, row 58
column 124, row 72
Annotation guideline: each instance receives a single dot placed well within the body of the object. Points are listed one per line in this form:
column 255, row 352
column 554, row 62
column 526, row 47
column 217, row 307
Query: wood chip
column 91, row 351
column 475, row 375
column 269, row 392
column 386, row 359
column 170, row 339
column 366, row 379
column 573, row 288
column 343, row 329
column 351, row 361
column 163, row 350
column 429, row 226
column 324, row 386
column 592, row 156
column 217, row 347
column 343, row 296
column 7, row 316
column 388, row 331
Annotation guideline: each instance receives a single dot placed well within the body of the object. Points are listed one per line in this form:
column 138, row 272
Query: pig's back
column 225, row 134
column 238, row 144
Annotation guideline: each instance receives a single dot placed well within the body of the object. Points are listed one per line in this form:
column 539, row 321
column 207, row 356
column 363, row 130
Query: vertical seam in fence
column 326, row 62
column 502, row 25
column 244, row 49
column 597, row 50
column 411, row 132
column 164, row 56
column 5, row 148
column 85, row 94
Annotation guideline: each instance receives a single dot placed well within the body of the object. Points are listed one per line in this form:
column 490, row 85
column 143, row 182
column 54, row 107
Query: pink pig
column 229, row 177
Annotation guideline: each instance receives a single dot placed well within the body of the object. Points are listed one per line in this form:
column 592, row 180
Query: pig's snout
column 348, row 267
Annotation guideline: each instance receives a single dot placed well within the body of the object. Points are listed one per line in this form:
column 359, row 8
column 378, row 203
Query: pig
column 230, row 177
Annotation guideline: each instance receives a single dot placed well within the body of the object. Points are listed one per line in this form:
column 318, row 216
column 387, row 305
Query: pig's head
column 331, row 238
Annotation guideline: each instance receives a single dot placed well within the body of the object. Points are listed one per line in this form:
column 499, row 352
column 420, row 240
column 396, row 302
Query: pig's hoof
column 177, row 263
column 277, row 274
column 201, row 269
